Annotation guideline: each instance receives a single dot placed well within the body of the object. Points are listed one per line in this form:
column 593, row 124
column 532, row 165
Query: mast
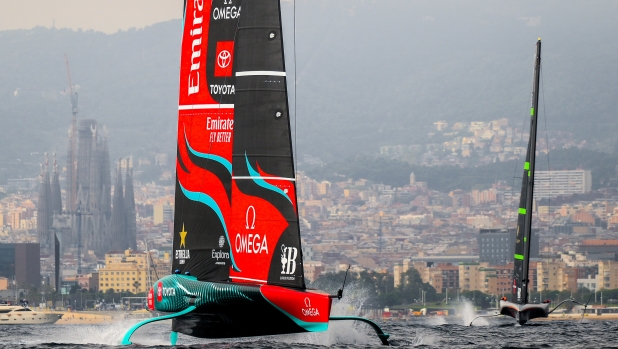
column 524, row 221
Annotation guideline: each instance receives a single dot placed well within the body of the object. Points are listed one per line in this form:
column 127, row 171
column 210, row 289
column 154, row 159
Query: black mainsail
column 266, row 242
column 519, row 307
column 523, row 237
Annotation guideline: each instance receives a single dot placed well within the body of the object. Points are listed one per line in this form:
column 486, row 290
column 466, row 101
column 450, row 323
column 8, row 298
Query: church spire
column 56, row 195
column 118, row 228
column 106, row 179
column 129, row 207
column 44, row 213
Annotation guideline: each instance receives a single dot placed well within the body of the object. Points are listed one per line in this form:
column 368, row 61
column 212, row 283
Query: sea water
column 422, row 332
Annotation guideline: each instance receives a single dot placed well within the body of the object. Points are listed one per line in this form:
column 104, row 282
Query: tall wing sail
column 202, row 220
column 266, row 235
column 524, row 220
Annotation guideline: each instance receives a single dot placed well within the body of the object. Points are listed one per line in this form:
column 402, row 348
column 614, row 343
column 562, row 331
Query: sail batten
column 205, row 106
column 260, row 177
column 261, row 73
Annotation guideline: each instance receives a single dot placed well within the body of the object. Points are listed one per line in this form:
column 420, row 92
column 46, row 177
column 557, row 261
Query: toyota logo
column 224, row 58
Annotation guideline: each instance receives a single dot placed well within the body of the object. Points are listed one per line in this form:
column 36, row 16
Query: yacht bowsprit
column 238, row 264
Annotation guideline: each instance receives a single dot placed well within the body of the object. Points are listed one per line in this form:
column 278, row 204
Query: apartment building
column 470, row 277
column 548, row 184
column 607, row 278
column 132, row 271
column 556, row 275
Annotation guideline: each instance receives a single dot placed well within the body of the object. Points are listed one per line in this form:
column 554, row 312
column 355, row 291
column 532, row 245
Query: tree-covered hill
column 447, row 178
column 368, row 73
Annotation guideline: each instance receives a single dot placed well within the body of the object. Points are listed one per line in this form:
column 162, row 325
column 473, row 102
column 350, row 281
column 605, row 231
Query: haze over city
column 409, row 128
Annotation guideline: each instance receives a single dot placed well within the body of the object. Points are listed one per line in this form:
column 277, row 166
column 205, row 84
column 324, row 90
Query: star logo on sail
column 183, row 235
column 224, row 59
column 182, row 253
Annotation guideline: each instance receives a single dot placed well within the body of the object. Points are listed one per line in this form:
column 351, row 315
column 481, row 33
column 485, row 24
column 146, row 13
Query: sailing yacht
column 519, row 307
column 237, row 257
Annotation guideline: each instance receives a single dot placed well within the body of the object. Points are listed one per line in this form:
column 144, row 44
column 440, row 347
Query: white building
column 589, row 283
column 549, row 184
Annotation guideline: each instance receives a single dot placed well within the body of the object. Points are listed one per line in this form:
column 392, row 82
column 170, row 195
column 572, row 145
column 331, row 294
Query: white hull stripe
column 256, row 280
column 273, row 178
column 260, row 72
column 205, row 106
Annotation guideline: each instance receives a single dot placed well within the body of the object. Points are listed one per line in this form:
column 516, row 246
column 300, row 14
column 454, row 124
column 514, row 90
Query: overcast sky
column 105, row 15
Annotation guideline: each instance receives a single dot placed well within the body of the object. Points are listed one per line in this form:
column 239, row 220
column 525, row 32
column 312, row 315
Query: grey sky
column 107, row 16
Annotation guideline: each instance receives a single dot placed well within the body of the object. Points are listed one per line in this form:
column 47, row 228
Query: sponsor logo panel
column 151, row 299
column 256, row 226
column 182, row 254
column 220, row 255
column 196, row 33
column 220, row 129
column 228, row 11
column 288, row 262
column 308, row 310
column 169, row 291
column 224, row 59
column 251, row 243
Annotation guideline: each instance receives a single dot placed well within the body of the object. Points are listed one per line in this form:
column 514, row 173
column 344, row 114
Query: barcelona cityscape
column 351, row 195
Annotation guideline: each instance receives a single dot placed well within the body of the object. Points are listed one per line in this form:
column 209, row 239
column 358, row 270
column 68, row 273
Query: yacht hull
column 28, row 317
column 524, row 312
column 224, row 310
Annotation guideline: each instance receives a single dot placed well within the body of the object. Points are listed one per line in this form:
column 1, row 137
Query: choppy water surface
column 419, row 332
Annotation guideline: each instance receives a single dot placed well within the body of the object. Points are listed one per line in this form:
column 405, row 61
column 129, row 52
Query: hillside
column 368, row 73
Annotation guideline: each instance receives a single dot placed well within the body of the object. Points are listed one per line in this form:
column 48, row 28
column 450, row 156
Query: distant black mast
column 524, row 221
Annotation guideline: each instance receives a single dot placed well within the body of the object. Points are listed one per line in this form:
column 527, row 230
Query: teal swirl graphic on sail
column 208, row 201
column 257, row 178
column 213, row 157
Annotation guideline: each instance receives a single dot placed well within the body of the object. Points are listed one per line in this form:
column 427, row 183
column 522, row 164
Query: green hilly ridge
column 447, row 178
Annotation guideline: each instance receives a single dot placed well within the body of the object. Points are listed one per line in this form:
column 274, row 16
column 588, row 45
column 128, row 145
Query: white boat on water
column 19, row 315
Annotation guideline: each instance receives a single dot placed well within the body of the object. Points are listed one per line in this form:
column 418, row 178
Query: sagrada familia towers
column 91, row 219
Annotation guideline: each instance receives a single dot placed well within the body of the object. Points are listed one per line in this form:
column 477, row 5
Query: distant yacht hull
column 524, row 312
column 17, row 315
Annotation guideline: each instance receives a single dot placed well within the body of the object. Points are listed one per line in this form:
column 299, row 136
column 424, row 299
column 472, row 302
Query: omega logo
column 248, row 215
column 308, row 310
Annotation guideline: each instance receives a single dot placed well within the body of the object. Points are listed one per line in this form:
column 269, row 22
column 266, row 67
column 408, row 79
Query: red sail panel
column 205, row 138
column 257, row 226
